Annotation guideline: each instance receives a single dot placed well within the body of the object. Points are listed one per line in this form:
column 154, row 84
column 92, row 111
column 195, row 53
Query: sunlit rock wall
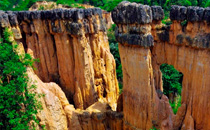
column 73, row 50
column 145, row 44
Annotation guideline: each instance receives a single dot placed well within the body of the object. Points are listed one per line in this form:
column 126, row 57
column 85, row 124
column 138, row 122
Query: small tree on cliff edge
column 18, row 105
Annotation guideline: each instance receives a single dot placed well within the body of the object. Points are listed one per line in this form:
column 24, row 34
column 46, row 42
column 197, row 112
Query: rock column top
column 130, row 13
column 75, row 18
column 133, row 21
column 191, row 13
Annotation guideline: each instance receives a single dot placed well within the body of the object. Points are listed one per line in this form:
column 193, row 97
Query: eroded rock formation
column 58, row 114
column 44, row 5
column 73, row 50
column 145, row 44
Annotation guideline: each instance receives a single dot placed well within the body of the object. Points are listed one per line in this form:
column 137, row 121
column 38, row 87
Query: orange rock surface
column 184, row 47
column 58, row 114
column 74, row 54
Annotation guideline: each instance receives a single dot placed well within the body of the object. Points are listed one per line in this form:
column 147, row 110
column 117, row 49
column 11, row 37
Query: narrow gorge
column 77, row 72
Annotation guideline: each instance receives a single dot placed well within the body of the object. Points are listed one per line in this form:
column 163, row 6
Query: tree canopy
column 104, row 4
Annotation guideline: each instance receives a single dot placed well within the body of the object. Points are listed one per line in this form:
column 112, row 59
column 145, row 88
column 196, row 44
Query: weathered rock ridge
column 58, row 114
column 145, row 44
column 73, row 50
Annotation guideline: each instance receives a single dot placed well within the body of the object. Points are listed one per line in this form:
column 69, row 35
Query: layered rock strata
column 49, row 39
column 144, row 44
column 73, row 50
column 44, row 5
column 186, row 46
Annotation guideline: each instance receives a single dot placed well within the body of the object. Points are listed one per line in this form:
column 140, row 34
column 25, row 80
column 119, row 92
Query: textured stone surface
column 184, row 47
column 191, row 13
column 207, row 14
column 128, row 13
column 58, row 114
column 133, row 39
column 157, row 13
column 73, row 50
column 195, row 14
column 178, row 12
column 133, row 23
column 136, row 79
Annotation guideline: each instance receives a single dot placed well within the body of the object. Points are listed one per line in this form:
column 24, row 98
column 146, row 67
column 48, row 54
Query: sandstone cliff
column 58, row 114
column 44, row 5
column 73, row 50
column 145, row 44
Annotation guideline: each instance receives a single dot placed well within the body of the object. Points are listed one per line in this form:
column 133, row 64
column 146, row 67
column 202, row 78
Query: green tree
column 18, row 104
column 172, row 80
column 172, row 85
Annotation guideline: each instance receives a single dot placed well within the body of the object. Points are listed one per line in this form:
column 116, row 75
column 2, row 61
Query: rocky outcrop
column 58, row 114
column 44, row 5
column 145, row 44
column 187, row 50
column 73, row 50
column 139, row 94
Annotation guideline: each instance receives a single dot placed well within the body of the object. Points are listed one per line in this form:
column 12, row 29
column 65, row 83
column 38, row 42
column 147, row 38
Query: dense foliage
column 115, row 52
column 172, row 85
column 104, row 4
column 18, row 105
column 176, row 104
column 172, row 80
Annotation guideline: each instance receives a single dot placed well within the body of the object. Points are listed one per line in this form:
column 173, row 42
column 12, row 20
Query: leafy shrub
column 176, row 104
column 41, row 7
column 154, row 128
column 108, row 5
column 120, row 87
column 115, row 51
column 18, row 104
column 172, row 85
column 172, row 79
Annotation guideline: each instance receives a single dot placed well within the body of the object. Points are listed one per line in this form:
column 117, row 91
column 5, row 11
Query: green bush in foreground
column 18, row 105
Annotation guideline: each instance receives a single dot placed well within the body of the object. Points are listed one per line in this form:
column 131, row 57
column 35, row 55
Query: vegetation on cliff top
column 18, row 104
column 103, row 4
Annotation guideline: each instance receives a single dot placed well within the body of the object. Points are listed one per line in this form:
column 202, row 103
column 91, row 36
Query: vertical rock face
column 141, row 106
column 58, row 114
column 134, row 36
column 185, row 47
column 73, row 50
